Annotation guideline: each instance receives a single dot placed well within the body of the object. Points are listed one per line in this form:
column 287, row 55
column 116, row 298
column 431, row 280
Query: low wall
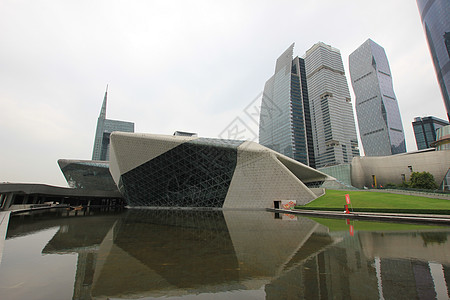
column 318, row 191
column 411, row 193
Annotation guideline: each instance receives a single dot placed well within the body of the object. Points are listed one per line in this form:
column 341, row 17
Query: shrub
column 405, row 184
column 422, row 180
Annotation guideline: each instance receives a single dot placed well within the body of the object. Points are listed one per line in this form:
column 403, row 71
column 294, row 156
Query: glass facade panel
column 87, row 175
column 194, row 174
column 285, row 124
column 435, row 15
column 377, row 110
column 425, row 130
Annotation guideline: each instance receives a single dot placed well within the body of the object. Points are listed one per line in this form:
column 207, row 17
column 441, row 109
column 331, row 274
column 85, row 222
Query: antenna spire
column 103, row 110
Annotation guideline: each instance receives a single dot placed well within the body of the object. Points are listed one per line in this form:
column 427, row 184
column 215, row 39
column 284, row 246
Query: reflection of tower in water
column 387, row 265
column 155, row 253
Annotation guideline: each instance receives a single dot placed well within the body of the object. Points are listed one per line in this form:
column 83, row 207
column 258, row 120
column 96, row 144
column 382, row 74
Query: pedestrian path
column 4, row 221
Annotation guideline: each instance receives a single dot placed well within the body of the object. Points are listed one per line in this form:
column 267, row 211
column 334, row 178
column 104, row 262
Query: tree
column 422, row 180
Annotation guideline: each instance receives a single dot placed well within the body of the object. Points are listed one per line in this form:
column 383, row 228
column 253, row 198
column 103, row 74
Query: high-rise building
column 435, row 15
column 442, row 140
column 380, row 124
column 333, row 124
column 104, row 129
column 425, row 130
column 285, row 120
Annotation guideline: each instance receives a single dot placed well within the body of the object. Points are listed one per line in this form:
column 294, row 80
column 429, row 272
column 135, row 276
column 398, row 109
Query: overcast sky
column 176, row 65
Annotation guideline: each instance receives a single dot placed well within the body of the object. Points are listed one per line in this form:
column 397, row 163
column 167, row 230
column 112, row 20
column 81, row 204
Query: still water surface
column 174, row 254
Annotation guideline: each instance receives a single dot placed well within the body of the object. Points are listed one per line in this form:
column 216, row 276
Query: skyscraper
column 425, row 130
column 435, row 15
column 104, row 129
column 380, row 124
column 285, row 122
column 333, row 124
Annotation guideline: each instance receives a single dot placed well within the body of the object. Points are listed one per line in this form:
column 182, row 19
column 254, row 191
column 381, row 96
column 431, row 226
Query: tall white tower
column 334, row 132
column 380, row 124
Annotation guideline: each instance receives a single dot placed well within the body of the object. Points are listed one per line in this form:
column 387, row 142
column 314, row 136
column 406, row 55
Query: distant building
column 184, row 133
column 443, row 143
column 285, row 120
column 104, row 129
column 442, row 139
column 333, row 124
column 379, row 120
column 435, row 15
column 306, row 113
column 425, row 130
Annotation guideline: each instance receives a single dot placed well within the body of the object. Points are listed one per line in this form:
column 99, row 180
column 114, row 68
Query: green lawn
column 375, row 201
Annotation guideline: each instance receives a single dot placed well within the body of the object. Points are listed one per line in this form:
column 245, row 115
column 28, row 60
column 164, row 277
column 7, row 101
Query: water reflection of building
column 372, row 266
column 181, row 253
column 157, row 253
column 144, row 253
column 412, row 265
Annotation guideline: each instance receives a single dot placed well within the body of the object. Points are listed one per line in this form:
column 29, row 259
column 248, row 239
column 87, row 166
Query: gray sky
column 176, row 65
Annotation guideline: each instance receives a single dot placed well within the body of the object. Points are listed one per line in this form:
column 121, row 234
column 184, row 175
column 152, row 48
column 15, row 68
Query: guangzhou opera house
column 186, row 171
column 87, row 174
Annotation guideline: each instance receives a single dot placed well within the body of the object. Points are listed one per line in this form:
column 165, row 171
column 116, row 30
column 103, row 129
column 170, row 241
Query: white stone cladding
column 260, row 179
column 129, row 150
column 397, row 168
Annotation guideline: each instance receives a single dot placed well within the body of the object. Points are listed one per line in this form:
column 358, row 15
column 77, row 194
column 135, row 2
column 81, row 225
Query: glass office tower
column 285, row 122
column 425, row 130
column 103, row 132
column 333, row 124
column 380, row 124
column 435, row 15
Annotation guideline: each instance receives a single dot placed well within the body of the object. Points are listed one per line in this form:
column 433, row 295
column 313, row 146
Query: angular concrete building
column 177, row 171
column 396, row 169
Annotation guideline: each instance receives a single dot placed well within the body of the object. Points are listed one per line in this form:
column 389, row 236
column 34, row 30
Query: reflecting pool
column 186, row 254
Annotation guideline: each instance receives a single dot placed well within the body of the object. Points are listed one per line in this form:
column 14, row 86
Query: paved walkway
column 4, row 221
column 387, row 217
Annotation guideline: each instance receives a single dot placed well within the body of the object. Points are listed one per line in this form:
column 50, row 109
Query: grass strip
column 366, row 201
column 382, row 210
